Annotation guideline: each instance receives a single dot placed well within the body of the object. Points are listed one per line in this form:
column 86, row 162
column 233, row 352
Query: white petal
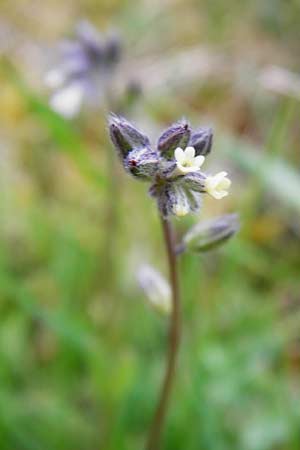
column 211, row 183
column 186, row 169
column 225, row 183
column 220, row 194
column 190, row 153
column 67, row 101
column 199, row 160
column 179, row 155
column 219, row 176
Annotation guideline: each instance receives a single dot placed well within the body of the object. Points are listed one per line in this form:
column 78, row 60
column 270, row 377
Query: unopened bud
column 156, row 288
column 173, row 198
column 125, row 136
column 142, row 163
column 177, row 135
column 211, row 233
column 201, row 140
column 194, row 181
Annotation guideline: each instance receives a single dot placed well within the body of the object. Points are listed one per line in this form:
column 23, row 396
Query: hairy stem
column 173, row 343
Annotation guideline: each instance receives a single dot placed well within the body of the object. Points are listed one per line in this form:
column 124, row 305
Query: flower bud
column 142, row 163
column 125, row 136
column 177, row 135
column 173, row 198
column 211, row 233
column 194, row 181
column 201, row 140
column 156, row 288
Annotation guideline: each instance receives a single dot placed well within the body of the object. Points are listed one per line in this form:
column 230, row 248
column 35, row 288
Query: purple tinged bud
column 177, row 135
column 201, row 140
column 175, row 198
column 166, row 197
column 134, row 148
column 211, row 233
column 194, row 181
column 142, row 163
column 125, row 136
column 195, row 200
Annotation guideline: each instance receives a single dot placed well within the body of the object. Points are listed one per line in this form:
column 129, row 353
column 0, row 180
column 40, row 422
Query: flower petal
column 179, row 155
column 220, row 175
column 220, row 194
column 199, row 160
column 225, row 183
column 189, row 153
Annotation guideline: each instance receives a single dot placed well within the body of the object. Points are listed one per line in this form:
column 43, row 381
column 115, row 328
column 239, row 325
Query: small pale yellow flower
column 186, row 160
column 180, row 210
column 217, row 185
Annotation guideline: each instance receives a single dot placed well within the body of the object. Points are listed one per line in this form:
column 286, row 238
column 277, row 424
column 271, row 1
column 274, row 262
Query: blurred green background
column 81, row 352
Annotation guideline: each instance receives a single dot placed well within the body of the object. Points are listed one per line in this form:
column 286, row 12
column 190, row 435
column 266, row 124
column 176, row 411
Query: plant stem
column 173, row 342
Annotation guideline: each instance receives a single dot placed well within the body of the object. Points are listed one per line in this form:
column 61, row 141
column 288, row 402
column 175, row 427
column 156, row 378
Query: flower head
column 84, row 70
column 217, row 186
column 173, row 166
column 186, row 160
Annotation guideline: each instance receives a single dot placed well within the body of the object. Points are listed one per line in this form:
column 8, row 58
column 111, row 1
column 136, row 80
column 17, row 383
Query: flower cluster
column 84, row 70
column 173, row 166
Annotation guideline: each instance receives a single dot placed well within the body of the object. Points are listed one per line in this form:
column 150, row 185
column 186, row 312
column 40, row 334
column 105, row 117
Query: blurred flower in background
column 84, row 73
column 155, row 287
column 280, row 81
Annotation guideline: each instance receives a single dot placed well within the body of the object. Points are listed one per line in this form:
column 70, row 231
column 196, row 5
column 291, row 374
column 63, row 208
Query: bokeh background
column 81, row 352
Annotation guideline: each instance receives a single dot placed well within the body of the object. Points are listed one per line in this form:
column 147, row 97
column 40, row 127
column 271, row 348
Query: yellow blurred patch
column 11, row 105
column 265, row 229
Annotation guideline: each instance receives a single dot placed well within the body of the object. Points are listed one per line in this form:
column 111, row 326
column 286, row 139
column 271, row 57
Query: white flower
column 217, row 185
column 181, row 210
column 187, row 161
